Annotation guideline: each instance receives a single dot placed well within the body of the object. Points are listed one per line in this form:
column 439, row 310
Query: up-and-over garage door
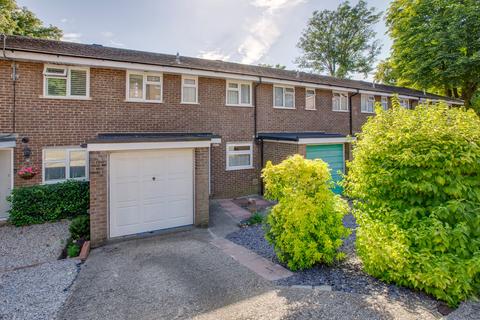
column 150, row 190
column 333, row 154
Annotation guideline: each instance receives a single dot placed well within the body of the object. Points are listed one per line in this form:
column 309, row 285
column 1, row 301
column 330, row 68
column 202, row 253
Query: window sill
column 310, row 109
column 344, row 111
column 239, row 168
column 192, row 103
column 64, row 180
column 143, row 101
column 240, row 105
column 284, row 108
column 65, row 98
column 368, row 112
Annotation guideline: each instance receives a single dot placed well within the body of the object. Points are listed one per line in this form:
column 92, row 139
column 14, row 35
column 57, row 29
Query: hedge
column 49, row 202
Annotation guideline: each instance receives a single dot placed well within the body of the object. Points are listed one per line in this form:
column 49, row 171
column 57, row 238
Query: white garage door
column 150, row 190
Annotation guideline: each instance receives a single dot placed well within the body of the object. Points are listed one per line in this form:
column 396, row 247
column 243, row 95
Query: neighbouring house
column 159, row 135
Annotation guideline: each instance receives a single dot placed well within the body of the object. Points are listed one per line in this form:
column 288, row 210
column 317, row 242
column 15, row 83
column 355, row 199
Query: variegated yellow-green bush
column 415, row 176
column 305, row 226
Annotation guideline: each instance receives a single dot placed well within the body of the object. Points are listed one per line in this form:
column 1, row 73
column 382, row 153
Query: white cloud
column 213, row 55
column 264, row 32
column 64, row 20
column 107, row 34
column 116, row 44
column 72, row 37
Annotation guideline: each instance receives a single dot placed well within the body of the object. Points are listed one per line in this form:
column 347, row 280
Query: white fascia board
column 376, row 93
column 325, row 140
column 305, row 84
column 7, row 144
column 440, row 100
column 148, row 145
column 90, row 62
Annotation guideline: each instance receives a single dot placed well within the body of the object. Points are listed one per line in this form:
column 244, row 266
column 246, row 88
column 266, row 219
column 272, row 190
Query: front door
column 5, row 181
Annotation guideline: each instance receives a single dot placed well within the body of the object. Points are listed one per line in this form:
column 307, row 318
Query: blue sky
column 247, row 31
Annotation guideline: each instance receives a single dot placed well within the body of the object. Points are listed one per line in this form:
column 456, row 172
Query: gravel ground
column 346, row 276
column 30, row 245
column 36, row 292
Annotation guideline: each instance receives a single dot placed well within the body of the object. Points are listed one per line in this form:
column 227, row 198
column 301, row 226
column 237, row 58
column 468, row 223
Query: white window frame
column 341, row 93
column 284, row 94
column 249, row 152
column 186, row 77
column 144, row 92
column 314, row 99
column 405, row 103
column 239, row 90
column 67, row 77
column 384, row 101
column 365, row 107
column 66, row 161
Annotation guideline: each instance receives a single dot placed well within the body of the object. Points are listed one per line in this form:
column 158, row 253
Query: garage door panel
column 333, row 155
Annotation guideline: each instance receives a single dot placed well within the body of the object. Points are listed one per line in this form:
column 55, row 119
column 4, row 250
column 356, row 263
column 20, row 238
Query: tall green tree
column 342, row 41
column 17, row 20
column 436, row 45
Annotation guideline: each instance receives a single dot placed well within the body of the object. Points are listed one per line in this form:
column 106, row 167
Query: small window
column 239, row 93
column 239, row 156
column 385, row 103
column 189, row 89
column 340, row 101
column 405, row 103
column 63, row 164
column 144, row 87
column 368, row 103
column 310, row 99
column 284, row 97
column 67, row 82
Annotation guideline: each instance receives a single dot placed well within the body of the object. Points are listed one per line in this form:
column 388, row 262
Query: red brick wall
column 276, row 152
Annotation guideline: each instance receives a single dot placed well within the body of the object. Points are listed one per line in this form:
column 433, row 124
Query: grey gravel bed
column 36, row 292
column 346, row 276
column 30, row 245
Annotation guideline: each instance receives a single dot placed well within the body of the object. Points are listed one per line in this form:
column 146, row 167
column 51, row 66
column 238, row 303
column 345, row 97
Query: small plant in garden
column 305, row 227
column 255, row 218
column 80, row 227
column 73, row 250
column 415, row 176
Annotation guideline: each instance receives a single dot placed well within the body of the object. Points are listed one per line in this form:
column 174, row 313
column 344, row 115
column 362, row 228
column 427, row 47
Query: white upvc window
column 144, row 86
column 190, row 89
column 384, row 103
column 239, row 156
column 310, row 99
column 368, row 103
column 283, row 97
column 60, row 164
column 340, row 101
column 239, row 93
column 66, row 82
column 404, row 103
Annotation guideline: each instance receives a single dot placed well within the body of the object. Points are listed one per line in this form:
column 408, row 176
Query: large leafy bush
column 305, row 226
column 49, row 202
column 416, row 180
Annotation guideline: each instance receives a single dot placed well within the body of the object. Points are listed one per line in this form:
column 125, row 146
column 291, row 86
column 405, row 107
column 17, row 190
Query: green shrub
column 305, row 226
column 255, row 218
column 416, row 180
column 49, row 202
column 73, row 250
column 80, row 227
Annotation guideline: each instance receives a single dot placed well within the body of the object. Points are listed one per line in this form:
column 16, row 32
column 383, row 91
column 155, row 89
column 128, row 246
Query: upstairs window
column 284, row 97
column 368, row 103
column 405, row 103
column 60, row 164
column 310, row 99
column 239, row 156
column 189, row 89
column 340, row 101
column 144, row 86
column 239, row 93
column 66, row 82
column 385, row 103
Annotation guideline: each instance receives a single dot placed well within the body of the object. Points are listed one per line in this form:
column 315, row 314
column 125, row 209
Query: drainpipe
column 14, row 78
column 351, row 111
column 255, row 128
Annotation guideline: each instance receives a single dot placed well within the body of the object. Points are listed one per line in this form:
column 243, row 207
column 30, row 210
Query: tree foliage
column 342, row 41
column 305, row 226
column 436, row 45
column 21, row 21
column 415, row 176
column 276, row 66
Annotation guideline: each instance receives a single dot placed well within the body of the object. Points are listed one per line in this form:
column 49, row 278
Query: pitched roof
column 95, row 51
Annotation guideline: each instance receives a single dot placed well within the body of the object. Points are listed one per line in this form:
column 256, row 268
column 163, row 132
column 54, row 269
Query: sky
column 245, row 31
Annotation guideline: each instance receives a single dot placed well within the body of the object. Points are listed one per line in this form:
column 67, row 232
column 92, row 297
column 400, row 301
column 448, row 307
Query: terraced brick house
column 159, row 135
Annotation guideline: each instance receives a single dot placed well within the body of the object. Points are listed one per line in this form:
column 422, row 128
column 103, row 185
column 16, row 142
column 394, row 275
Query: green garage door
column 331, row 154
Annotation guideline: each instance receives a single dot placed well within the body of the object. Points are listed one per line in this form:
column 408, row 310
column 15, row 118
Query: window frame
column 66, row 161
column 314, row 99
column 188, row 77
column 144, row 74
column 341, row 93
column 407, row 106
column 228, row 153
column 384, row 103
column 67, row 75
column 239, row 90
column 365, row 100
column 284, row 94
